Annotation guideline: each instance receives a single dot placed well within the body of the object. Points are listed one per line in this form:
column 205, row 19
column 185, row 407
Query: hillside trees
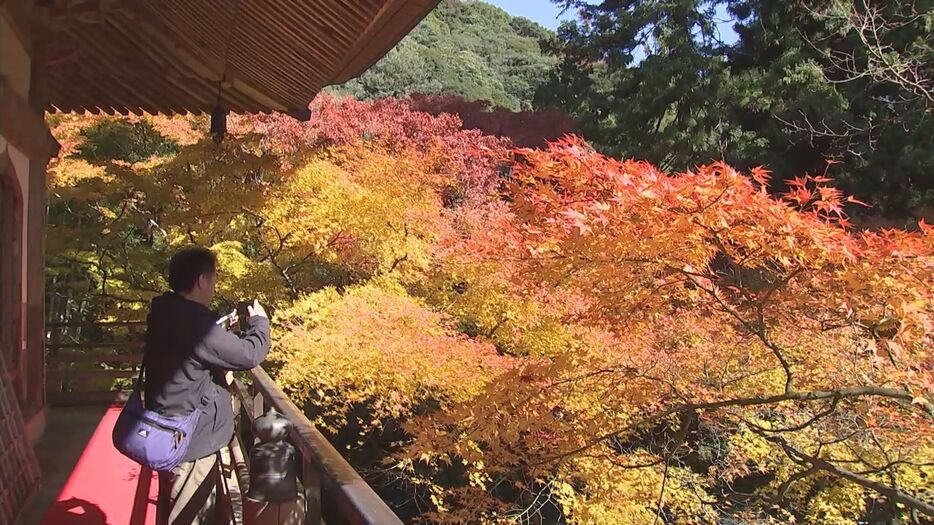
column 806, row 82
column 464, row 48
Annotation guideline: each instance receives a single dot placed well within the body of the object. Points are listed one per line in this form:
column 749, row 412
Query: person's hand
column 256, row 309
column 232, row 318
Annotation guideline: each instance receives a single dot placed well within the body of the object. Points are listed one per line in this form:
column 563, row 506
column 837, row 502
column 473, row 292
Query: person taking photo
column 187, row 354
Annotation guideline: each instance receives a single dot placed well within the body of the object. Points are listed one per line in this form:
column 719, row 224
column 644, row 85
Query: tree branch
column 815, row 462
column 813, row 395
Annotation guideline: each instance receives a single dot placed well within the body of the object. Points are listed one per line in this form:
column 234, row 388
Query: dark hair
column 187, row 265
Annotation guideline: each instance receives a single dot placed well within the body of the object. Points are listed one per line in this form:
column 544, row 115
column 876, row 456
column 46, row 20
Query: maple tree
column 543, row 335
column 726, row 338
column 290, row 208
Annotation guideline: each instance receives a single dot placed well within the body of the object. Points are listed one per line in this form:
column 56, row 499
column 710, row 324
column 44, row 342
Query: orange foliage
column 602, row 342
column 716, row 319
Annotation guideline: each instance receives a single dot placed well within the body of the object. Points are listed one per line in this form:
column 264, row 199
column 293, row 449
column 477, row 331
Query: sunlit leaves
column 552, row 333
column 379, row 351
column 704, row 296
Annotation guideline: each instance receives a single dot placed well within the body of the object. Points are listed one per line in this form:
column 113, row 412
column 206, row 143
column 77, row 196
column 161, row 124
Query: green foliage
column 804, row 84
column 118, row 139
column 104, row 257
column 469, row 49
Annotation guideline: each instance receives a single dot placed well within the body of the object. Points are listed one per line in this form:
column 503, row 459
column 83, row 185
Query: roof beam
column 171, row 56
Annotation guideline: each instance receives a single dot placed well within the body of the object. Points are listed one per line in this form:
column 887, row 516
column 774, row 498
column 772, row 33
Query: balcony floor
column 85, row 481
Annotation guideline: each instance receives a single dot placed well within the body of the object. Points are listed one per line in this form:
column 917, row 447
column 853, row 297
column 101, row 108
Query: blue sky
column 542, row 11
column 549, row 15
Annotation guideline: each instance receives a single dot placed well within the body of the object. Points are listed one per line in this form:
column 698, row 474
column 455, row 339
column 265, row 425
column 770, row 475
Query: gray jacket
column 186, row 356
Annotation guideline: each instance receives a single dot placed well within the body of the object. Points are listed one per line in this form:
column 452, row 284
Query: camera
column 243, row 315
column 242, row 312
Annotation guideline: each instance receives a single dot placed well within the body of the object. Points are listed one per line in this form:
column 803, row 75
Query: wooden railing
column 334, row 492
column 86, row 372
column 89, row 363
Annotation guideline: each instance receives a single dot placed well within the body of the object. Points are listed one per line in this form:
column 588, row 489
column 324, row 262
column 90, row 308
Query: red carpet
column 102, row 489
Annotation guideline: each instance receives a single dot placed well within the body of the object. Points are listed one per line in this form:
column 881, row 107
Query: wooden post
column 257, row 405
column 311, row 481
column 133, row 340
column 37, row 205
column 141, row 497
column 257, row 411
column 53, row 385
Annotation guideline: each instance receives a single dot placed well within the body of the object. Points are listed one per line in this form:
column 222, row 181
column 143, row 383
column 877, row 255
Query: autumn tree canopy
column 502, row 335
column 728, row 342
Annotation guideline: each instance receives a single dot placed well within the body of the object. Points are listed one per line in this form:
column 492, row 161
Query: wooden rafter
column 168, row 56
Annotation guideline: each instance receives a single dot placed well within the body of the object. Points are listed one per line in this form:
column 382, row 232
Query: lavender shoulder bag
column 150, row 439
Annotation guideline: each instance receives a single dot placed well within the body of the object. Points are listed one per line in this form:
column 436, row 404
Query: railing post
column 131, row 337
column 329, row 483
column 311, row 481
column 257, row 404
column 53, row 377
column 257, row 410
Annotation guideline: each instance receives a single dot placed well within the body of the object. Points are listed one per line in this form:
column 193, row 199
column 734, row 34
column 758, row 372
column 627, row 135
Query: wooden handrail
column 138, row 345
column 358, row 503
column 76, row 324
column 81, row 370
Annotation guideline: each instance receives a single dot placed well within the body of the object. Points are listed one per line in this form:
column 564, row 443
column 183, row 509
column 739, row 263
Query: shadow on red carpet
column 105, row 488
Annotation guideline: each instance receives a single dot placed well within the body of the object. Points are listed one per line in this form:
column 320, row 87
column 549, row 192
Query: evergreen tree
column 806, row 82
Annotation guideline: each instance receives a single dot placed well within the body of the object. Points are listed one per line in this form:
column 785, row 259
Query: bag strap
column 140, row 387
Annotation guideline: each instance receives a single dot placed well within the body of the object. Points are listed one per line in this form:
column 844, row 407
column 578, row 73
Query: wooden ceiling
column 173, row 56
